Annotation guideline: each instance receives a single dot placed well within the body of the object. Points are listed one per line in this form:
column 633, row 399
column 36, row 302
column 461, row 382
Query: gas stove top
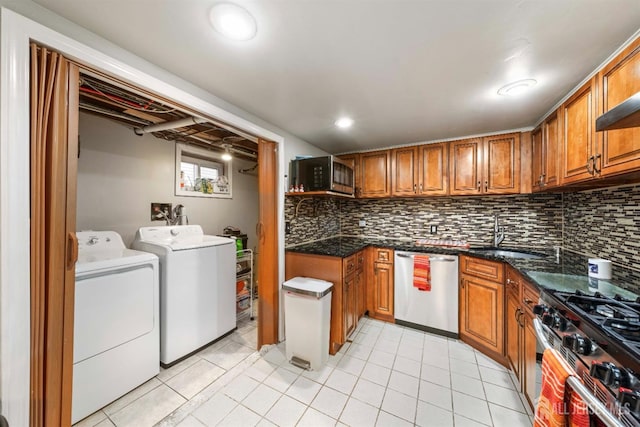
column 600, row 337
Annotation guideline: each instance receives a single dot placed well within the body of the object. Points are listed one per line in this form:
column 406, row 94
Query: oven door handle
column 576, row 384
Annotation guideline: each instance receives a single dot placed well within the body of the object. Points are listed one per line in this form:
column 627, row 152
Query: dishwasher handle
column 431, row 258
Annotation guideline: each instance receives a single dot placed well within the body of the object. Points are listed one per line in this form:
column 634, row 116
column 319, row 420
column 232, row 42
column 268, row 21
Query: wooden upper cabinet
column 619, row 80
column 537, row 160
column 501, row 169
column 490, row 165
column 545, row 158
column 551, row 162
column 420, row 170
column 375, row 174
column 404, row 171
column 465, row 173
column 578, row 135
column 434, row 169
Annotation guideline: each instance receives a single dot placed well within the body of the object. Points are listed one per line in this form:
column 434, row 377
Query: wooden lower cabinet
column 349, row 290
column 381, row 285
column 513, row 333
column 520, row 336
column 350, row 317
column 482, row 306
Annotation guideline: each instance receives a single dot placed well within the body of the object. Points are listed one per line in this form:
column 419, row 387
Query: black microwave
column 325, row 173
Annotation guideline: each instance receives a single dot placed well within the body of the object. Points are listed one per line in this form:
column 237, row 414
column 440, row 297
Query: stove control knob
column 539, row 309
column 561, row 323
column 578, row 344
column 547, row 319
column 629, row 400
column 610, row 375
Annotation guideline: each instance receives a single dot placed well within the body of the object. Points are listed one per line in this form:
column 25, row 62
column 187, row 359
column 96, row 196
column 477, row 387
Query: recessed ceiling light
column 344, row 122
column 517, row 87
column 233, row 21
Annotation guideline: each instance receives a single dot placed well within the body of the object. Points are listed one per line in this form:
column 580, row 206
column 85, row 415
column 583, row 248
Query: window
column 201, row 173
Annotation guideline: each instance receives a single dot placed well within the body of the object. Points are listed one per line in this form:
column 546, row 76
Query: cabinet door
column 434, row 169
column 550, row 139
column 529, row 366
column 513, row 332
column 465, row 158
column 537, row 160
column 404, row 171
column 349, row 305
column 361, row 297
column 481, row 313
column 383, row 292
column 578, row 135
column 619, row 80
column 501, row 164
column 375, row 174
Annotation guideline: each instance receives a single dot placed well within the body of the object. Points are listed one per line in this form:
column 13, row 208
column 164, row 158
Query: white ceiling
column 405, row 70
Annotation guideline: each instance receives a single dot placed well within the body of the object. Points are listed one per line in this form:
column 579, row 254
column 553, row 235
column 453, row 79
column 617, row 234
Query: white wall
column 120, row 174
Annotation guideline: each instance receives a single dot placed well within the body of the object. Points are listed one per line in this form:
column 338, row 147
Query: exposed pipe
column 233, row 149
column 190, row 121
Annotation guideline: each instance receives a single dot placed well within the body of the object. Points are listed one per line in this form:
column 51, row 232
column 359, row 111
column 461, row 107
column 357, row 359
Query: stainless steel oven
column 599, row 336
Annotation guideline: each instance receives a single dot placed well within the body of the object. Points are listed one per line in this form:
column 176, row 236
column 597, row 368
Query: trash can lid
column 308, row 286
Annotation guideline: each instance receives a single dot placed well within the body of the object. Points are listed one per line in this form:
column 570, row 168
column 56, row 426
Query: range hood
column 625, row 115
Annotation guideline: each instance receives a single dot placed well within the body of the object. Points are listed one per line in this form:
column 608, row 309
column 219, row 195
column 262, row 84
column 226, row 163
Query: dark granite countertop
column 567, row 272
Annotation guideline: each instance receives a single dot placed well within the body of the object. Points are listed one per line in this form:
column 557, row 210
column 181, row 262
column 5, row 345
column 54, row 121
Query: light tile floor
column 387, row 375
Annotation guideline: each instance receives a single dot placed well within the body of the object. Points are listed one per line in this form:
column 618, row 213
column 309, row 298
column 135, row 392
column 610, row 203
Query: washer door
column 112, row 308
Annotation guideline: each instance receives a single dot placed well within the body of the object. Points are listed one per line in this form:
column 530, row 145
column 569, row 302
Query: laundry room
column 120, row 174
column 169, row 191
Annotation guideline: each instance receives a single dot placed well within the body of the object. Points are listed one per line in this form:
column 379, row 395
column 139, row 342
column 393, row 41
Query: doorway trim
column 16, row 32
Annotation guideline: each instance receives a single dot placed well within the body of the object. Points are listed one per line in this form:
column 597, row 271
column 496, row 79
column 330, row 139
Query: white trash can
column 307, row 320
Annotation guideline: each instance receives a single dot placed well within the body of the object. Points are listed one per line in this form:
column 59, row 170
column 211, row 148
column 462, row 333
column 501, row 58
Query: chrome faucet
column 498, row 233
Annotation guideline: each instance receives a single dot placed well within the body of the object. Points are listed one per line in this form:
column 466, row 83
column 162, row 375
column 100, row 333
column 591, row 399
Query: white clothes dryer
column 197, row 287
column 116, row 321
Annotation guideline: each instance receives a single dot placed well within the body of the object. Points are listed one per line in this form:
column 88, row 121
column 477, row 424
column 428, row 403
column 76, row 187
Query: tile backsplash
column 604, row 223
column 529, row 220
column 601, row 223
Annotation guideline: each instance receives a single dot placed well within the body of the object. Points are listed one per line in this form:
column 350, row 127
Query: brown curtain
column 54, row 103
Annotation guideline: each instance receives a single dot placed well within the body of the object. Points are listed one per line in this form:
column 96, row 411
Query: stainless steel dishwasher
column 435, row 310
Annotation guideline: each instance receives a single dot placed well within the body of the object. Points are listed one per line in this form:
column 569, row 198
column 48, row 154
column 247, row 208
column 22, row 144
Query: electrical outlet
column 362, row 223
column 433, row 229
column 287, row 227
column 157, row 208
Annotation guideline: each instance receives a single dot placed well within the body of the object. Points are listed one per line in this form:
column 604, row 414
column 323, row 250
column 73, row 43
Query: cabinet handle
column 542, row 177
column 486, row 186
column 478, row 185
column 415, row 188
column 527, row 301
column 595, row 162
column 518, row 319
column 590, row 168
column 517, row 314
column 509, row 281
column 462, row 283
column 420, row 188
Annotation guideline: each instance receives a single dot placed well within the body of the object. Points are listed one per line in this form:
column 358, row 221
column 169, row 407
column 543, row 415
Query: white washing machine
column 197, row 287
column 116, row 321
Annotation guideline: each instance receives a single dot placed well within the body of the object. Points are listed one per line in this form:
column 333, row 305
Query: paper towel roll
column 600, row 268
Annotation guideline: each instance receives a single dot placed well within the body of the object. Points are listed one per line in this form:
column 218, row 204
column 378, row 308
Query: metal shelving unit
column 244, row 273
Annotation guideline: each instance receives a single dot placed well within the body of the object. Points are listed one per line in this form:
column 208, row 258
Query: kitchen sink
column 509, row 253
